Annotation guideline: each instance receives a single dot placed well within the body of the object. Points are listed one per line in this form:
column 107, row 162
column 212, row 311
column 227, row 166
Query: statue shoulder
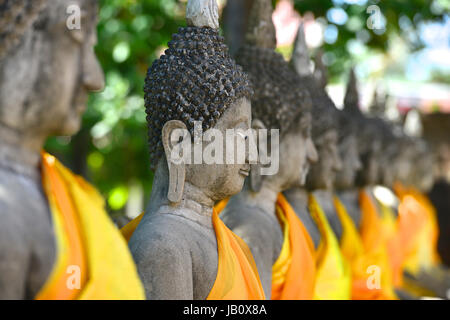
column 254, row 225
column 241, row 214
column 15, row 246
column 159, row 235
column 163, row 259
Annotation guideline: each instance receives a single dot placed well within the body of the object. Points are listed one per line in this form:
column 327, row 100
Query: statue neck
column 19, row 154
column 265, row 199
column 323, row 193
column 300, row 194
column 195, row 204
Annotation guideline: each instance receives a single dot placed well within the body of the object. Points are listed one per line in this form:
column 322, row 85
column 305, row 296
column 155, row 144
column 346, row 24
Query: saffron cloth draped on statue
column 237, row 276
column 333, row 277
column 294, row 272
column 89, row 246
column 360, row 260
column 418, row 229
column 375, row 238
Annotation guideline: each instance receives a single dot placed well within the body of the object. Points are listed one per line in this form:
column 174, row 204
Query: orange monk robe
column 92, row 261
column 333, row 277
column 360, row 260
column 294, row 272
column 418, row 230
column 237, row 276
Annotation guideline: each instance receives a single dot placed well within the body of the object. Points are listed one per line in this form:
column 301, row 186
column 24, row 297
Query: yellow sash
column 221, row 205
column 293, row 274
column 237, row 276
column 374, row 236
column 88, row 244
column 418, row 229
column 360, row 260
column 333, row 277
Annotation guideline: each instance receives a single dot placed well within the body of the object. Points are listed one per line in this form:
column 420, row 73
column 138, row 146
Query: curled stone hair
column 195, row 80
column 347, row 125
column 16, row 16
column 324, row 111
column 279, row 98
column 371, row 132
column 277, row 101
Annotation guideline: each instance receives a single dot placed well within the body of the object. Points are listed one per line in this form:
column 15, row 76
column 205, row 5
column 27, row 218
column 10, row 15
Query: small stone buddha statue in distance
column 260, row 214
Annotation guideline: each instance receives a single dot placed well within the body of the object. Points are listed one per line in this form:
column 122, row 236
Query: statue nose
column 93, row 76
column 338, row 163
column 313, row 155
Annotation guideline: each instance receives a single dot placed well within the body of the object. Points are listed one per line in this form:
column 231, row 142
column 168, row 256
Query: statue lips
column 245, row 171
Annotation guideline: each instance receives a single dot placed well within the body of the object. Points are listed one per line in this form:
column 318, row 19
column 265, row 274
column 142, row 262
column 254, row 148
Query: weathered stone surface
column 202, row 13
column 278, row 103
column 175, row 245
column 45, row 76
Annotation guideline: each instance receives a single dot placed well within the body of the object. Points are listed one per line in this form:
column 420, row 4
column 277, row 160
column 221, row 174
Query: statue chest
column 27, row 211
column 205, row 260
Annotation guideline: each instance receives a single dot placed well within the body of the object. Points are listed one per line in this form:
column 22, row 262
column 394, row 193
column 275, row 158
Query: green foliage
column 111, row 148
column 402, row 18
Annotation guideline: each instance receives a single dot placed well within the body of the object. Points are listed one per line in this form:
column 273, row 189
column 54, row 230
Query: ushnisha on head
column 369, row 136
column 279, row 101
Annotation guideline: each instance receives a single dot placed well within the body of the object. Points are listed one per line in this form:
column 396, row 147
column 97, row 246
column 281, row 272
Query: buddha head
column 404, row 161
column 196, row 85
column 279, row 101
column 369, row 136
column 326, row 139
column 46, row 68
column 389, row 157
column 395, row 162
column 325, row 131
column 349, row 152
column 422, row 176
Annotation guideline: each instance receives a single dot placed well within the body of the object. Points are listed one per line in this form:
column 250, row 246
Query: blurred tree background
column 111, row 148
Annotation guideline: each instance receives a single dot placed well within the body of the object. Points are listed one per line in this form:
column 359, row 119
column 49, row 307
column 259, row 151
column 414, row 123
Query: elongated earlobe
column 174, row 133
column 255, row 177
column 255, row 171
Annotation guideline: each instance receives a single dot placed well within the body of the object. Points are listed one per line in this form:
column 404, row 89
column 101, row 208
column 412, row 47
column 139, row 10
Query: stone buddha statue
column 315, row 203
column 351, row 161
column 370, row 149
column 180, row 246
column 422, row 176
column 279, row 103
column 46, row 73
column 322, row 174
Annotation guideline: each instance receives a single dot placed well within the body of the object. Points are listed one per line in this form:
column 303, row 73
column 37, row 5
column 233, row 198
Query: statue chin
column 71, row 126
